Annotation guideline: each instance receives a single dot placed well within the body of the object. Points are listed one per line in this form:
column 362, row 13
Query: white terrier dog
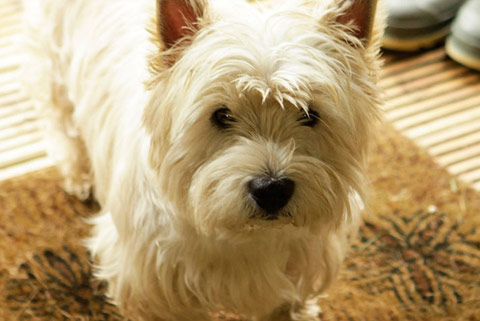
column 224, row 141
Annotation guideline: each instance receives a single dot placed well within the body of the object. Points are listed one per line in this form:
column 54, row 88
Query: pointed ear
column 360, row 14
column 178, row 19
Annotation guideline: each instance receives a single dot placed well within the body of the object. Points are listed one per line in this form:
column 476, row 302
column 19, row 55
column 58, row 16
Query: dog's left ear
column 177, row 19
column 360, row 14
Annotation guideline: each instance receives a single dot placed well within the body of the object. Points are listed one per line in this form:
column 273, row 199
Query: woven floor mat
column 417, row 257
column 436, row 102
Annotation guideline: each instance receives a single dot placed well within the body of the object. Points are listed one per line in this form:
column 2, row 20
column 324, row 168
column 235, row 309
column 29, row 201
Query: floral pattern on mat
column 423, row 259
column 59, row 286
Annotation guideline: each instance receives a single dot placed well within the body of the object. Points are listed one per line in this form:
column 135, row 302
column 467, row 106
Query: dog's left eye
column 223, row 118
column 309, row 118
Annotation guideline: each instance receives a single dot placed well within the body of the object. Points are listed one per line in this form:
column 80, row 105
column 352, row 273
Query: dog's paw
column 310, row 311
column 80, row 188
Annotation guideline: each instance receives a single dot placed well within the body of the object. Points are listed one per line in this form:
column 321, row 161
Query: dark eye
column 223, row 117
column 309, row 118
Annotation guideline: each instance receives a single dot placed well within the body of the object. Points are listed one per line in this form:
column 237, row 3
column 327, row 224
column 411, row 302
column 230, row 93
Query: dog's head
column 261, row 117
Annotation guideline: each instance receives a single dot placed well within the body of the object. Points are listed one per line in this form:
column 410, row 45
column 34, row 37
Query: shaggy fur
column 128, row 113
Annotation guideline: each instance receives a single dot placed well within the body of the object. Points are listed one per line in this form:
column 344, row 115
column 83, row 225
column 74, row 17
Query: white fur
column 175, row 237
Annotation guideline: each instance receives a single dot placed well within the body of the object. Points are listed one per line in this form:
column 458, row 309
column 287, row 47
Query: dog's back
column 77, row 53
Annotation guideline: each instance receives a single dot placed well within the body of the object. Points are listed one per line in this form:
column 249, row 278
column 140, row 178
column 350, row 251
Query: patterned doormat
column 417, row 257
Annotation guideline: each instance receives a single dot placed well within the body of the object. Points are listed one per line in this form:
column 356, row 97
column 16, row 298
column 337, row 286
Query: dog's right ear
column 178, row 19
column 360, row 15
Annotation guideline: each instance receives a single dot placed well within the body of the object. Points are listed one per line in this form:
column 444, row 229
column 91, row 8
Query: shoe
column 417, row 24
column 463, row 44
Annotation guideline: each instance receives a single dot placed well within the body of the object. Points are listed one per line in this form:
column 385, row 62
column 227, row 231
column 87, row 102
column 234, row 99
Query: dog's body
column 287, row 93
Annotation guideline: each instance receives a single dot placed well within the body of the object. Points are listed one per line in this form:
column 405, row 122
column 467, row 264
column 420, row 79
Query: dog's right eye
column 309, row 119
column 223, row 118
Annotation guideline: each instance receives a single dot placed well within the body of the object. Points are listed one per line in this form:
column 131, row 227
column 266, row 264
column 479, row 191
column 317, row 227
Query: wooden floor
column 436, row 102
column 429, row 98
column 21, row 146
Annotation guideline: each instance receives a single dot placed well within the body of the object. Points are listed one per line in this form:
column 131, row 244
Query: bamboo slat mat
column 436, row 102
column 21, row 146
column 429, row 98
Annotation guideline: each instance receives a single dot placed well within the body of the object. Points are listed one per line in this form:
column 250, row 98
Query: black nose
column 271, row 194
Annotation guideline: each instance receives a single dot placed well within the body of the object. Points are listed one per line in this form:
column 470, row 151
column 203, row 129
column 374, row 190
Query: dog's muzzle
column 271, row 194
